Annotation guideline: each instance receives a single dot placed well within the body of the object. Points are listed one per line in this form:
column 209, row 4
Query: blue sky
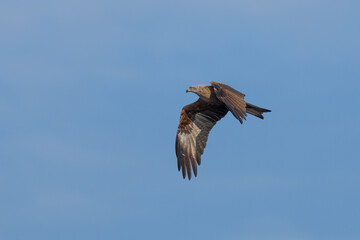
column 90, row 97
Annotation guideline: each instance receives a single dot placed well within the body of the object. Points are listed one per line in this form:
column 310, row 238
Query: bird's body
column 198, row 118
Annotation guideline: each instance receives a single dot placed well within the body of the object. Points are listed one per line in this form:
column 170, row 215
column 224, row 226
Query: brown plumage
column 198, row 118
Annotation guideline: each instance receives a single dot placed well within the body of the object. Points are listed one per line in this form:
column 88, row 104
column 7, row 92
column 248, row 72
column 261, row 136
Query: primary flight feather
column 198, row 118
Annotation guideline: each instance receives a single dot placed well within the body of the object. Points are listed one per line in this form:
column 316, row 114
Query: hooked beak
column 188, row 90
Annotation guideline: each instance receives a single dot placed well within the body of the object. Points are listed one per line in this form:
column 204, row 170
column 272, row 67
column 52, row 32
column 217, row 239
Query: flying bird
column 198, row 118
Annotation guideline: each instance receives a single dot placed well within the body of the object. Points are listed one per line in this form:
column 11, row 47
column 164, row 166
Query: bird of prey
column 198, row 118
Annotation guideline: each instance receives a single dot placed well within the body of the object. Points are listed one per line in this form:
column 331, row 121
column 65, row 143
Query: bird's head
column 196, row 88
column 203, row 91
column 193, row 88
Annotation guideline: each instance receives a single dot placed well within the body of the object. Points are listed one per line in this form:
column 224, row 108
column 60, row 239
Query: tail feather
column 255, row 110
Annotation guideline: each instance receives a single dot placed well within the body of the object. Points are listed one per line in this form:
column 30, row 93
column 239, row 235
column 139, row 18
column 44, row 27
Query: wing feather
column 196, row 121
column 233, row 99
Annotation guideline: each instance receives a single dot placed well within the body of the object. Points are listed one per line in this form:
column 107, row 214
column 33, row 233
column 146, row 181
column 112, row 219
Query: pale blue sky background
column 90, row 97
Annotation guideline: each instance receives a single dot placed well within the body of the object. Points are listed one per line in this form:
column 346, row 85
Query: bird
column 197, row 120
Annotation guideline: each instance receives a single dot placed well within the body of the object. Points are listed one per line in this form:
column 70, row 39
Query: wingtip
column 186, row 172
column 189, row 175
column 195, row 173
column 241, row 120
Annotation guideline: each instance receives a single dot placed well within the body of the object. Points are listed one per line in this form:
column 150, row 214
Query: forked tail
column 255, row 110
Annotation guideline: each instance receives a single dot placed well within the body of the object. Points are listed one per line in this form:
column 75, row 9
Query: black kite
column 198, row 118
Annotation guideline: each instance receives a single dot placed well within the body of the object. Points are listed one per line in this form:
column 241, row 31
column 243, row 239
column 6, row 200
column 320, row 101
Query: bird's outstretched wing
column 196, row 121
column 234, row 100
